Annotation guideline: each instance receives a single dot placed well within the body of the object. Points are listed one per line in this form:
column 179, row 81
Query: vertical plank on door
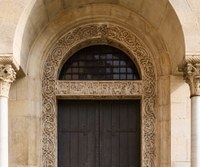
column 120, row 133
column 76, row 129
column 115, row 136
column 105, row 134
column 64, row 159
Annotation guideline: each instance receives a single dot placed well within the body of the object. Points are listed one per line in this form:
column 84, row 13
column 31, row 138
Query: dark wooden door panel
column 77, row 134
column 99, row 133
column 119, row 131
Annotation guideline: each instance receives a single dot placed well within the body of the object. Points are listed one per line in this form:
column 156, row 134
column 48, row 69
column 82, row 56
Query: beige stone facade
column 160, row 36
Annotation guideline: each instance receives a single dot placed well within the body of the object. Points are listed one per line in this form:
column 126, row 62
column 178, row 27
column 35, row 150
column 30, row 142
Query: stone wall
column 180, row 122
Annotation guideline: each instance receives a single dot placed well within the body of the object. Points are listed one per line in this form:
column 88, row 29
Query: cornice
column 9, row 59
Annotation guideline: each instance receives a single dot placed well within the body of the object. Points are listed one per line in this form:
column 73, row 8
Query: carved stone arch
column 99, row 41
column 145, row 88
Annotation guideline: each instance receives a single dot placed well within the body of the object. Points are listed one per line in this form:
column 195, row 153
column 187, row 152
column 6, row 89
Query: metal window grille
column 99, row 62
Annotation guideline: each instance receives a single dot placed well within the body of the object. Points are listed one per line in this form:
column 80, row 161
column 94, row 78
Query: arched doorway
column 99, row 132
column 144, row 89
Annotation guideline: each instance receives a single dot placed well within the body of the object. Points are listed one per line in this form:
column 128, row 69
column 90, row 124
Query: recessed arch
column 145, row 89
column 152, row 25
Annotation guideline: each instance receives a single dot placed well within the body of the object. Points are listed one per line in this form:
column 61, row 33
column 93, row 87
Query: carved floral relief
column 98, row 88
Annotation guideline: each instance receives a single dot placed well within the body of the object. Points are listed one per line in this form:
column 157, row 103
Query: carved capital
column 7, row 73
column 192, row 77
column 7, row 76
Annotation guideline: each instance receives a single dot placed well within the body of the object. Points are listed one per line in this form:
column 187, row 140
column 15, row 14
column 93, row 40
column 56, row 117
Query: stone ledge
column 7, row 58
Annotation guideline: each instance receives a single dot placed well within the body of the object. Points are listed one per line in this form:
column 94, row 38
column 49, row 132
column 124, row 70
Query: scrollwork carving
column 98, row 88
column 112, row 34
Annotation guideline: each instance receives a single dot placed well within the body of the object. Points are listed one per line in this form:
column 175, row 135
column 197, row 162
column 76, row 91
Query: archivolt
column 110, row 34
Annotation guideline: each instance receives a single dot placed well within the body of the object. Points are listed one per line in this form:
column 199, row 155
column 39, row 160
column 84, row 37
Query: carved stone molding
column 85, row 35
column 9, row 59
column 98, row 89
column 192, row 59
column 7, row 76
column 192, row 77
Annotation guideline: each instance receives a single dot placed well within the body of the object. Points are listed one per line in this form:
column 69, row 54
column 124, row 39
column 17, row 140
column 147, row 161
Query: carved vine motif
column 98, row 88
column 112, row 34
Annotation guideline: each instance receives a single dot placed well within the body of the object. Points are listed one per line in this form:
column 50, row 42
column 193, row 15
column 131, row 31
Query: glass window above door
column 99, row 62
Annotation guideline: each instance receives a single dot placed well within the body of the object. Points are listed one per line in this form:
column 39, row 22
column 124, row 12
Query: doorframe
column 144, row 89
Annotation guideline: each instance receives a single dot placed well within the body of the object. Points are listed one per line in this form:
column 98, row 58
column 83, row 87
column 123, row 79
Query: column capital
column 191, row 74
column 7, row 73
column 7, row 76
column 9, row 59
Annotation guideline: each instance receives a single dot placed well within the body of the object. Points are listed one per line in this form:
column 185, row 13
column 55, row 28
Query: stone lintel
column 98, row 89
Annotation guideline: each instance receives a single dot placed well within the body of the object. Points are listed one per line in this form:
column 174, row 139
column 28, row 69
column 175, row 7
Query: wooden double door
column 99, row 133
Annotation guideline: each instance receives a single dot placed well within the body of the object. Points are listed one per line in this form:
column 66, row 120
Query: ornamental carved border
column 89, row 34
column 98, row 89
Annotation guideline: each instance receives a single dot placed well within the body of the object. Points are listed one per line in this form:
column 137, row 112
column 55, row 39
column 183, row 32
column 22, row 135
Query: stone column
column 7, row 76
column 192, row 77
